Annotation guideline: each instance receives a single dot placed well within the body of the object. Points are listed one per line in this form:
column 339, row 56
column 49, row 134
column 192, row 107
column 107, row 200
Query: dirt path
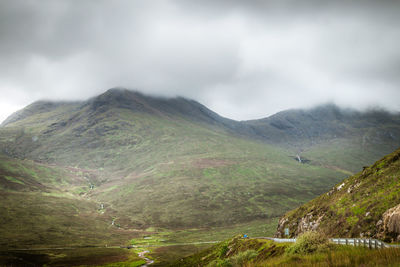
column 148, row 261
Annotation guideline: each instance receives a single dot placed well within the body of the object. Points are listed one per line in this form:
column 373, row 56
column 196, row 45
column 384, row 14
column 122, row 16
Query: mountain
column 308, row 127
column 332, row 136
column 364, row 205
column 119, row 98
column 173, row 163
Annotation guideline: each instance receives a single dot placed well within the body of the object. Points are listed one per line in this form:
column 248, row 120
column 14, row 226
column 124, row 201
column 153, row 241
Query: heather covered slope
column 166, row 164
column 326, row 133
column 363, row 205
column 174, row 163
column 261, row 252
column 47, row 206
column 333, row 136
column 307, row 127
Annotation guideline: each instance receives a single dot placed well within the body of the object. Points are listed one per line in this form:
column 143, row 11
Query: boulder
column 390, row 223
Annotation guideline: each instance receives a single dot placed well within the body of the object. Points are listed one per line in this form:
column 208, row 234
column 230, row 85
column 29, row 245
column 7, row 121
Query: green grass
column 195, row 188
column 37, row 212
column 12, row 179
column 47, row 221
column 171, row 171
column 356, row 208
column 164, row 255
column 188, row 179
column 338, row 256
column 72, row 257
column 269, row 253
column 169, row 245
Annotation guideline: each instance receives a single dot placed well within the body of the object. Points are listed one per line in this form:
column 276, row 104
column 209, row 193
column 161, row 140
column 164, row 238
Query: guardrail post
column 371, row 243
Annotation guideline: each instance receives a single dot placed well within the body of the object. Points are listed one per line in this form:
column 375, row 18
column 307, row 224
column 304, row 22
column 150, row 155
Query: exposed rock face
column 281, row 227
column 307, row 223
column 344, row 211
column 390, row 226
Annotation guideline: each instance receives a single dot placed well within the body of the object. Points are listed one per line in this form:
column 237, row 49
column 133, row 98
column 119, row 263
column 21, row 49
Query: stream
column 148, row 261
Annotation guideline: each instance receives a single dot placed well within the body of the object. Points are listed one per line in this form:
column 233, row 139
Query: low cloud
column 243, row 59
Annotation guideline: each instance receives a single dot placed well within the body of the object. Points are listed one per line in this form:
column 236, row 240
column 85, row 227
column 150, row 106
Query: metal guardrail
column 360, row 242
column 278, row 240
column 357, row 242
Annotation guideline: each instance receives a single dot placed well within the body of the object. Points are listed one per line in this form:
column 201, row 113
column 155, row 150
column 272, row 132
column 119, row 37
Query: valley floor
column 164, row 247
column 71, row 257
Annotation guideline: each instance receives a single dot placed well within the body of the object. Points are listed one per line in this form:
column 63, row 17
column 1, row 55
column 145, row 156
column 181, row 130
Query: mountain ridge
column 295, row 127
column 121, row 95
column 181, row 165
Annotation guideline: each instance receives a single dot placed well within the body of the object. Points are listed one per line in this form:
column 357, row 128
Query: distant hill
column 119, row 98
column 364, row 205
column 293, row 128
column 173, row 163
column 299, row 127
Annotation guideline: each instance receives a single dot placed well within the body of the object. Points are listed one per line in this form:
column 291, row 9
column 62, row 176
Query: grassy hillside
column 170, row 166
column 47, row 206
column 355, row 207
column 261, row 252
column 71, row 257
column 243, row 179
column 166, row 168
column 302, row 128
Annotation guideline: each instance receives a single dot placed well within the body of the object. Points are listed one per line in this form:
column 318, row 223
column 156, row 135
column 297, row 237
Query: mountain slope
column 364, row 205
column 173, row 163
column 166, row 164
column 308, row 127
column 48, row 206
column 331, row 136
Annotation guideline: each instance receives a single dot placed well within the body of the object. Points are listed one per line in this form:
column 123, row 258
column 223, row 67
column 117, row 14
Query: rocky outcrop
column 366, row 204
column 281, row 227
column 390, row 224
column 307, row 223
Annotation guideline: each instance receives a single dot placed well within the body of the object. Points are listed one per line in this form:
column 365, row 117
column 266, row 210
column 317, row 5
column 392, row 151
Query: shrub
column 243, row 257
column 235, row 261
column 220, row 263
column 309, row 242
column 223, row 250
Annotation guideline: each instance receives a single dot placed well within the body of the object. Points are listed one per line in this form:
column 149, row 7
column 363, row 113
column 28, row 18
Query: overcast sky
column 242, row 59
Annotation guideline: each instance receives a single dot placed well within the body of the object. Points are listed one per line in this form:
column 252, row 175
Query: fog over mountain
column 242, row 59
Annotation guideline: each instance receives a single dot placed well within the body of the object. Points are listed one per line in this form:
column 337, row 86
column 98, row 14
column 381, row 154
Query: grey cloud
column 244, row 59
